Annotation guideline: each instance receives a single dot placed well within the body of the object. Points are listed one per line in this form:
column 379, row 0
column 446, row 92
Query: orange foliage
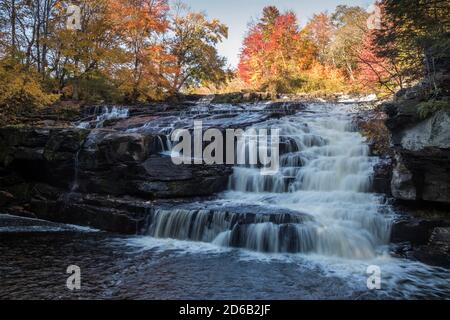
column 274, row 53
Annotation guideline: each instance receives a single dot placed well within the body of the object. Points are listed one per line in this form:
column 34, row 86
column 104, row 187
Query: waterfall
column 76, row 166
column 325, row 171
column 264, row 232
column 103, row 114
column 110, row 114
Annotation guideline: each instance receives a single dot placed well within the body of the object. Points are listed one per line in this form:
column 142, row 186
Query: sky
column 238, row 13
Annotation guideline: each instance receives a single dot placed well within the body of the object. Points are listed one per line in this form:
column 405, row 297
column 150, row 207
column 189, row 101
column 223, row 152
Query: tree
column 414, row 33
column 320, row 31
column 139, row 23
column 76, row 57
column 275, row 52
column 268, row 20
column 351, row 27
column 374, row 71
column 20, row 90
column 192, row 45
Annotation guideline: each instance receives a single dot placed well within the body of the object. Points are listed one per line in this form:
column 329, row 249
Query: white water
column 107, row 113
column 327, row 174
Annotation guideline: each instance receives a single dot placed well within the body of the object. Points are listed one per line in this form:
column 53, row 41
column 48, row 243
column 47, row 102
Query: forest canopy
column 381, row 50
column 135, row 51
column 119, row 50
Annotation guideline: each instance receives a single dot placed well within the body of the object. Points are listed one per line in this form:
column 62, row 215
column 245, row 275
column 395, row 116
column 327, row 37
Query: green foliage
column 97, row 89
column 351, row 27
column 427, row 108
column 413, row 31
column 193, row 49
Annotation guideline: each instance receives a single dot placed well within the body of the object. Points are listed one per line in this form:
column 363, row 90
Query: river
column 333, row 231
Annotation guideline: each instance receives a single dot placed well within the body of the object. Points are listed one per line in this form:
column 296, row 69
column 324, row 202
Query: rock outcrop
column 421, row 173
column 422, row 148
column 42, row 169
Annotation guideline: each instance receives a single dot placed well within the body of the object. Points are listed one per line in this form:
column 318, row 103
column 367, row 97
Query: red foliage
column 271, row 51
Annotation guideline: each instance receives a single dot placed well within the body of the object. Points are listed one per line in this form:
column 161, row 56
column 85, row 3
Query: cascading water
column 326, row 172
column 103, row 114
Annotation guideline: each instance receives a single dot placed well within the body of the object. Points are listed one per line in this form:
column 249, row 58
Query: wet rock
column 437, row 252
column 105, row 161
column 19, row 211
column 253, row 227
column 44, row 169
column 40, row 154
column 422, row 150
column 240, row 97
column 124, row 216
column 402, row 185
column 414, row 231
column 383, row 176
column 5, row 198
column 122, row 170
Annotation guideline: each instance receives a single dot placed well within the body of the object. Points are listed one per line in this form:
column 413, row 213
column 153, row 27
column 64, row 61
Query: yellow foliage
column 322, row 78
column 20, row 90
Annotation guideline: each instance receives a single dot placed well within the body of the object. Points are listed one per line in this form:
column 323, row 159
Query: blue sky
column 238, row 13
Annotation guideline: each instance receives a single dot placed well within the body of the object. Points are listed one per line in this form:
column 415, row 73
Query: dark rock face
column 372, row 125
column 41, row 169
column 239, row 97
column 45, row 155
column 421, row 174
column 415, row 231
column 382, row 176
column 118, row 164
column 437, row 251
column 422, row 147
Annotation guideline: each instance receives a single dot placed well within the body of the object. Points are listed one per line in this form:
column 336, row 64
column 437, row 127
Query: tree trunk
column 38, row 34
column 13, row 24
column 350, row 71
column 75, row 90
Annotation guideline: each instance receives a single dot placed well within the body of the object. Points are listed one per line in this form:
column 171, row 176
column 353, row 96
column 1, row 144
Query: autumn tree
column 320, row 31
column 80, row 59
column 375, row 71
column 274, row 52
column 139, row 24
column 415, row 33
column 23, row 54
column 192, row 45
column 351, row 27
